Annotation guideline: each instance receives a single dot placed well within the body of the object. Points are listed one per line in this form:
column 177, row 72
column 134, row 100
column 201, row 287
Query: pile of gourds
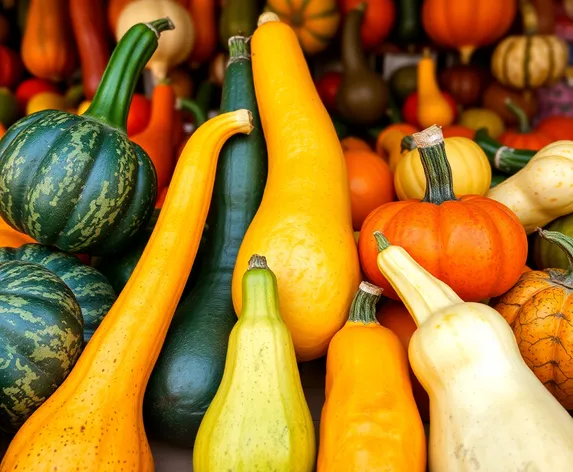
column 183, row 315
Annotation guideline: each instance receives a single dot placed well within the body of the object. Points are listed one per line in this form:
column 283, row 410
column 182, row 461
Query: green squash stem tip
column 163, row 24
column 381, row 240
column 257, row 262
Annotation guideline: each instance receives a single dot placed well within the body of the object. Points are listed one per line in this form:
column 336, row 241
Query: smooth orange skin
column 371, row 184
column 385, row 140
column 48, row 50
column 9, row 237
column 458, row 131
column 395, row 316
column 475, row 245
column 203, row 14
column 526, row 269
column 369, row 420
column 534, row 140
column 540, row 313
column 351, row 143
column 556, row 127
column 2, row 130
column 468, row 24
column 378, row 20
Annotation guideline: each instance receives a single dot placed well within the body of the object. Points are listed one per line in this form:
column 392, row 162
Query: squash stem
column 381, row 240
column 503, row 158
column 565, row 243
column 195, row 109
column 113, row 97
column 522, row 119
column 257, row 262
column 439, row 183
column 238, row 49
column 407, row 143
column 363, row 308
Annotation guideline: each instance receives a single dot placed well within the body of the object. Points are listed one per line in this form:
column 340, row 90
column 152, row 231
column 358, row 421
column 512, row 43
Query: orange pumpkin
column 458, row 131
column 557, row 127
column 378, row 20
column 467, row 24
column 10, row 67
column 350, row 143
column 47, row 46
column 9, row 237
column 204, row 22
column 523, row 137
column 539, row 308
column 474, row 244
column 389, row 142
column 315, row 22
column 395, row 316
column 371, row 183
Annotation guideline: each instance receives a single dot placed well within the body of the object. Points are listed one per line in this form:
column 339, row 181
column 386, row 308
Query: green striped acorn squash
column 92, row 290
column 77, row 182
column 41, row 338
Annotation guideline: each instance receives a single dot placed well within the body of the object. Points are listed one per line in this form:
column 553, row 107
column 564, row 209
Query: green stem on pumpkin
column 522, row 119
column 439, row 183
column 565, row 243
column 363, row 308
column 113, row 97
column 381, row 241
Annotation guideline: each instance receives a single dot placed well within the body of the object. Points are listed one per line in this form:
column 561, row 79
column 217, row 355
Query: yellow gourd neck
column 420, row 291
column 260, row 291
column 433, row 108
column 427, row 84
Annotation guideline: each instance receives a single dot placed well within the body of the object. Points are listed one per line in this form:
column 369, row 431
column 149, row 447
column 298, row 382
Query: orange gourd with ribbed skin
column 467, row 24
column 94, row 420
column 205, row 23
column 303, row 226
column 369, row 420
column 388, row 144
column 47, row 46
column 157, row 138
column 9, row 237
column 433, row 108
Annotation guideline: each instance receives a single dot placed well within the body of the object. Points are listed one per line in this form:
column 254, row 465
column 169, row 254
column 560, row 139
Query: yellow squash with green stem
column 543, row 190
column 94, row 421
column 303, row 226
column 488, row 410
column 259, row 419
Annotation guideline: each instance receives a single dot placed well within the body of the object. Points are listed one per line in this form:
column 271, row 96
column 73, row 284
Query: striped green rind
column 92, row 290
column 74, row 182
column 41, row 338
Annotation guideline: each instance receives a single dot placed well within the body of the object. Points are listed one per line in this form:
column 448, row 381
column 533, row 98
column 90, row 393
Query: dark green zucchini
column 503, row 158
column 191, row 364
column 408, row 29
column 238, row 17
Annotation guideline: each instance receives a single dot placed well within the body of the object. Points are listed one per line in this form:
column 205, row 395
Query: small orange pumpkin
column 350, row 143
column 524, row 137
column 539, row 308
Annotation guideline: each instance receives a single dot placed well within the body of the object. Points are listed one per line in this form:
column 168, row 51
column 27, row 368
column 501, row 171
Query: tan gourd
column 303, row 226
column 174, row 48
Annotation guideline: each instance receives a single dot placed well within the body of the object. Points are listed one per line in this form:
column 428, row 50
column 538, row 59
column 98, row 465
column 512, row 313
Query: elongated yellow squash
column 303, row 225
column 488, row 410
column 259, row 419
column 543, row 190
column 94, row 421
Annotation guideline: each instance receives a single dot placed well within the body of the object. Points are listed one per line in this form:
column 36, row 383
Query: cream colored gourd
column 176, row 48
column 471, row 171
column 488, row 410
column 543, row 190
column 259, row 419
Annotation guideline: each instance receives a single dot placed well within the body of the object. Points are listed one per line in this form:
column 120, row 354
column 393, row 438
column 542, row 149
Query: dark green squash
column 91, row 289
column 41, row 338
column 191, row 364
column 238, row 17
column 77, row 182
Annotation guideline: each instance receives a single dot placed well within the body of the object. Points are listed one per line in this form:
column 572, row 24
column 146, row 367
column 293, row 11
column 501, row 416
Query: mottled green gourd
column 78, row 182
column 92, row 290
column 41, row 338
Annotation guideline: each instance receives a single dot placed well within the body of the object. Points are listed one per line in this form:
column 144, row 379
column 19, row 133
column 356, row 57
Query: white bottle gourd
column 488, row 411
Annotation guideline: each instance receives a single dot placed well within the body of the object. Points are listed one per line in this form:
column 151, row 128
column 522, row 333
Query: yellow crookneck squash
column 433, row 108
column 303, row 226
column 488, row 410
column 94, row 421
column 471, row 171
column 370, row 421
column 543, row 190
column 259, row 419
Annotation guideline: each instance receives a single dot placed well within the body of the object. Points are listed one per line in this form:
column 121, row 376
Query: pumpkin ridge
column 318, row 36
column 272, row 8
column 324, row 14
column 550, row 76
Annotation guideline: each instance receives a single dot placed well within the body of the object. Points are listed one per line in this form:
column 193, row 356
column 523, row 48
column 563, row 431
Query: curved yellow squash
column 94, row 421
column 471, row 171
column 303, row 225
column 259, row 419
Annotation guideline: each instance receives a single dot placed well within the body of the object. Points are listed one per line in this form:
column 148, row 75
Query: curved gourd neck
column 522, row 119
column 260, row 291
column 565, row 243
column 421, row 292
column 113, row 97
column 432, row 149
column 363, row 308
column 427, row 84
column 353, row 57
